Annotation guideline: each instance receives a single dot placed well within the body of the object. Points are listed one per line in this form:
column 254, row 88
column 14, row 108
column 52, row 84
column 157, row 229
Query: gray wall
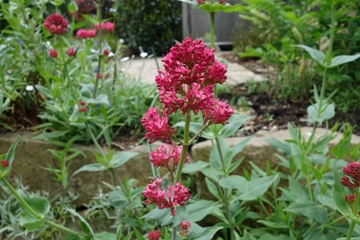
column 196, row 23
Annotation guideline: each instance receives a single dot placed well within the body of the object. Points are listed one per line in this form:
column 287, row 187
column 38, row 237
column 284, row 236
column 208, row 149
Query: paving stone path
column 145, row 70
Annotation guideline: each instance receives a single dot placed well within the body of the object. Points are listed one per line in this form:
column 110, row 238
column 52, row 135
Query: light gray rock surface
column 32, row 155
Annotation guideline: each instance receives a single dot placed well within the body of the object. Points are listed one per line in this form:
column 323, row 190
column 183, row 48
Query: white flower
column 111, row 54
column 124, row 59
column 112, row 10
column 144, row 54
column 29, row 88
column 121, row 41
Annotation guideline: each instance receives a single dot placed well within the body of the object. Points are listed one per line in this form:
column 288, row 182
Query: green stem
column 65, row 229
column 100, row 50
column 212, row 30
column 93, row 138
column 212, row 40
column 28, row 208
column 327, row 63
column 226, row 199
column 185, row 146
column 22, row 201
column 355, row 213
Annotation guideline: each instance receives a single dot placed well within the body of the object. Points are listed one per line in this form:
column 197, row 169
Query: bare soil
column 271, row 113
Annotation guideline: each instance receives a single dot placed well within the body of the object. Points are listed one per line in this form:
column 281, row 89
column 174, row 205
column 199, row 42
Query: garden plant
column 80, row 93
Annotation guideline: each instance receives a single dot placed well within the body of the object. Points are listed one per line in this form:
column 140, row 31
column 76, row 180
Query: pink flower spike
column 71, row 52
column 106, row 26
column 219, row 113
column 184, row 228
column 83, row 33
column 53, row 53
column 352, row 180
column 155, row 235
column 157, row 127
column 166, row 197
column 56, row 24
column 167, row 156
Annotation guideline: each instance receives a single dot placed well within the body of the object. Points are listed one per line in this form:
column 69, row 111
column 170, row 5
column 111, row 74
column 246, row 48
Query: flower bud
column 4, row 163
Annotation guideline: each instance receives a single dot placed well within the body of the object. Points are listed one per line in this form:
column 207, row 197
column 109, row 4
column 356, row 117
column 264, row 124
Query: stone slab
column 145, row 70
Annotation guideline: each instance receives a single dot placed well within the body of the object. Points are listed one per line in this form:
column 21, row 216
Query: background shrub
column 150, row 24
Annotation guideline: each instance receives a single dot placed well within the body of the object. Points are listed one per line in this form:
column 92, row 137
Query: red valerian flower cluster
column 166, row 197
column 155, row 235
column 83, row 33
column 167, row 156
column 157, row 127
column 106, row 26
column 187, row 84
column 56, row 24
column 352, row 170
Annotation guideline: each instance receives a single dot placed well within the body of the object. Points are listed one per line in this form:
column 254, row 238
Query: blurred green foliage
column 150, row 24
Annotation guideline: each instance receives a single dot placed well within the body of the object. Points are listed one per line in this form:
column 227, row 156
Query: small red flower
column 106, row 52
column 4, row 163
column 98, row 75
column 184, row 228
column 106, row 26
column 83, row 109
column 201, row 2
column 222, row 1
column 82, row 103
column 71, row 52
column 56, row 24
column 53, row 53
column 350, row 198
column 167, row 156
column 155, row 235
column 157, row 127
column 166, row 197
column 352, row 178
column 83, row 33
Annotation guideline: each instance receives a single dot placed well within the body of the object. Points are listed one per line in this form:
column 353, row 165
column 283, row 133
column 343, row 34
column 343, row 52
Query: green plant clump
column 150, row 24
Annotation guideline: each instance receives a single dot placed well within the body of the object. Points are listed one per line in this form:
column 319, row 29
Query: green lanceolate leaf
column 94, row 167
column 105, row 235
column 191, row 168
column 315, row 54
column 162, row 216
column 198, row 210
column 234, row 182
column 40, row 205
column 338, row 194
column 9, row 156
column 85, row 226
column 309, row 209
column 338, row 60
column 121, row 158
column 199, row 233
column 235, row 122
column 257, row 187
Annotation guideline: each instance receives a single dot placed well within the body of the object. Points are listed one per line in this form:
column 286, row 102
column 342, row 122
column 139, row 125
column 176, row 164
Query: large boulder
column 32, row 156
